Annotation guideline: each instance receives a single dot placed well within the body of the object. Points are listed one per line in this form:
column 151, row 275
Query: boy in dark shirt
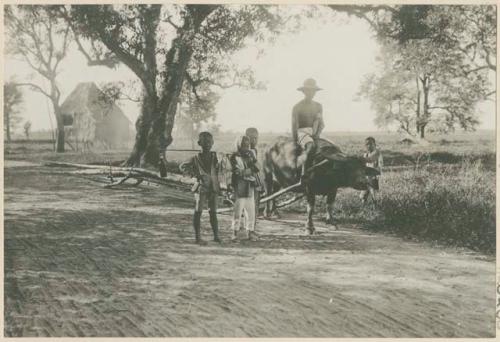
column 204, row 166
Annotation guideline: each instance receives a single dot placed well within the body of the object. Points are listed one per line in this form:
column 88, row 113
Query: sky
column 337, row 53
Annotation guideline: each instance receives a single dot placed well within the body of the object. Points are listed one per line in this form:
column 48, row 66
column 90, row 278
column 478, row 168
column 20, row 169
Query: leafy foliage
column 164, row 45
column 12, row 101
column 42, row 41
column 427, row 73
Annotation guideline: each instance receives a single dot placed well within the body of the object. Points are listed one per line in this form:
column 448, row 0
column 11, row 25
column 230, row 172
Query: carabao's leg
column 311, row 200
column 330, row 200
column 270, row 188
column 244, row 219
column 363, row 196
column 274, row 207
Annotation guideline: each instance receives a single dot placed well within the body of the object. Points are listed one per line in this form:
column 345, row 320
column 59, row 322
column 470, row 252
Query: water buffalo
column 280, row 167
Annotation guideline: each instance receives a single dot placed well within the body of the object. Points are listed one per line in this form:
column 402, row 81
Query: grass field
column 443, row 192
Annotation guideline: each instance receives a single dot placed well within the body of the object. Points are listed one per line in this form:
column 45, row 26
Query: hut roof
column 88, row 98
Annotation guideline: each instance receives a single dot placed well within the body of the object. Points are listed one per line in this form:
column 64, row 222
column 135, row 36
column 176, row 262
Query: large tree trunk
column 149, row 109
column 60, row 130
column 60, row 138
column 54, row 98
column 422, row 131
column 425, row 117
column 155, row 124
column 160, row 132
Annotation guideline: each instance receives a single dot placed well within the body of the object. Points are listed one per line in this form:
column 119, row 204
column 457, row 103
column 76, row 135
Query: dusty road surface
column 81, row 260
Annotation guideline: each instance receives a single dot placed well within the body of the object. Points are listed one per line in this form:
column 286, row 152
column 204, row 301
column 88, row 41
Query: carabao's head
column 358, row 175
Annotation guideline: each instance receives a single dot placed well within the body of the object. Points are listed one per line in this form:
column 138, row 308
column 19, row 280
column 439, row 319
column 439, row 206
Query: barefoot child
column 253, row 135
column 373, row 159
column 204, row 166
column 244, row 169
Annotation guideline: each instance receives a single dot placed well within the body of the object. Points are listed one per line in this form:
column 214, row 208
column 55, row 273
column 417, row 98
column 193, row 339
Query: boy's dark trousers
column 197, row 225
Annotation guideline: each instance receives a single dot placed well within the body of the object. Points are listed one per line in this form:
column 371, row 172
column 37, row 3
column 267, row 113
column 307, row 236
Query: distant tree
column 42, row 42
column 194, row 110
column 393, row 96
column 469, row 30
column 12, row 101
column 421, row 86
column 437, row 67
column 167, row 45
column 27, row 129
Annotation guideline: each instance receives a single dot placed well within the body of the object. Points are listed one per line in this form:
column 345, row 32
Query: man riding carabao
column 307, row 124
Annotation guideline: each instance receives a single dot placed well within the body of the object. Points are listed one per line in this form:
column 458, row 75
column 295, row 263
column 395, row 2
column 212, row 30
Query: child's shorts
column 205, row 199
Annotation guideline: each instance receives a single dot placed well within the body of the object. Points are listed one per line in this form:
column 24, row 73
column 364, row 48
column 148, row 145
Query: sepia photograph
column 250, row 170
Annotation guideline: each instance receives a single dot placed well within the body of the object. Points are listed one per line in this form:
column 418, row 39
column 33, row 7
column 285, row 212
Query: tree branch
column 405, row 128
column 169, row 20
column 129, row 98
column 361, row 11
column 355, row 9
column 440, row 107
column 490, row 93
column 42, row 72
column 36, row 87
column 128, row 59
column 48, row 26
column 36, row 41
column 108, row 62
column 467, row 72
column 226, row 85
column 492, row 66
column 64, row 48
column 193, row 84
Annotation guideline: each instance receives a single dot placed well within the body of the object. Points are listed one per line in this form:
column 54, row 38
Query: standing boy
column 204, row 166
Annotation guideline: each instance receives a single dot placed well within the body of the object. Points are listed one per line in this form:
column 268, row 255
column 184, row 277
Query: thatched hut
column 90, row 118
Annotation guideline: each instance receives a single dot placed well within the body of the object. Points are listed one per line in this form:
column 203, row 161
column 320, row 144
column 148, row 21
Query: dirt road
column 85, row 261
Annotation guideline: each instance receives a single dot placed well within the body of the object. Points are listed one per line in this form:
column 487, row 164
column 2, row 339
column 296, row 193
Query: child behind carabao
column 204, row 166
column 374, row 159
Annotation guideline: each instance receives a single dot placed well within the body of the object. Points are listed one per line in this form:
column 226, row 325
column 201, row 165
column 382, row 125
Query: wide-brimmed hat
column 310, row 83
